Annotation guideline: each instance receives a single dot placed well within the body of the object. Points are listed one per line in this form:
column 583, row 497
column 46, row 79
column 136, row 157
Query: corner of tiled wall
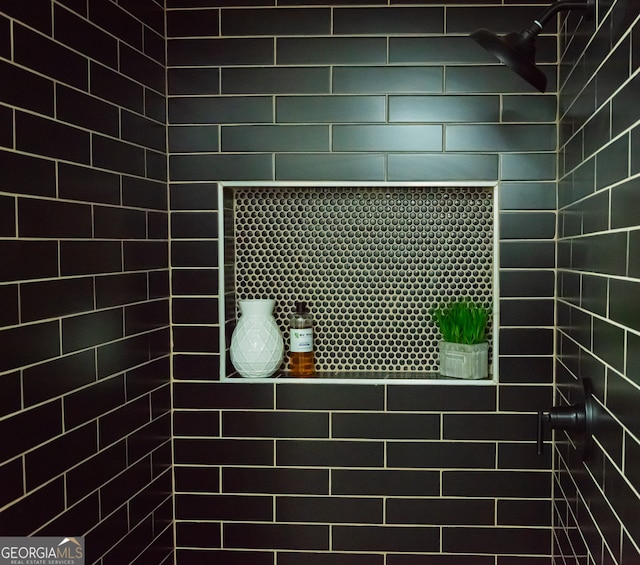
column 596, row 500
column 85, row 394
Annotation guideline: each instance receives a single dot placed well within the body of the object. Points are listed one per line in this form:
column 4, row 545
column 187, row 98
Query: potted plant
column 464, row 350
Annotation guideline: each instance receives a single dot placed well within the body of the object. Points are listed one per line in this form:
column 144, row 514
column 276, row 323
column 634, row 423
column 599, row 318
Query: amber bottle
column 301, row 361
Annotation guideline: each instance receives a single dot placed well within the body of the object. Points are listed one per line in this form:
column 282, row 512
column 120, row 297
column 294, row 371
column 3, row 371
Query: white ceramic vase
column 257, row 347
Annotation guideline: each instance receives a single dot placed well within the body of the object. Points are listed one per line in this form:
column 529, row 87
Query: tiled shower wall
column 359, row 473
column 84, row 344
column 598, row 504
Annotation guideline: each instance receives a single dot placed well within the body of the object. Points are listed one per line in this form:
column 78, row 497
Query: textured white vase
column 257, row 347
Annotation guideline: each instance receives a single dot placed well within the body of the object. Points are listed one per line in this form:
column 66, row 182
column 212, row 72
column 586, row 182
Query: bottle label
column 301, row 340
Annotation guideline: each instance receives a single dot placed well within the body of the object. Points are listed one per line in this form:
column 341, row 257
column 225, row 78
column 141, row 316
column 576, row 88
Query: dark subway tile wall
column 312, row 67
column 344, row 473
column 598, row 325
column 84, row 283
column 325, row 469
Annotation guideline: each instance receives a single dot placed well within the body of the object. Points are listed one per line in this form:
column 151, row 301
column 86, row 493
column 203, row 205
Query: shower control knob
column 578, row 418
column 561, row 418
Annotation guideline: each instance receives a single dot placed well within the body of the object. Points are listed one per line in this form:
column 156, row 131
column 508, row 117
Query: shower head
column 517, row 50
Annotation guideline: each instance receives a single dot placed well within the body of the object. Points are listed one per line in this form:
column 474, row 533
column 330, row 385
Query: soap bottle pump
column 301, row 362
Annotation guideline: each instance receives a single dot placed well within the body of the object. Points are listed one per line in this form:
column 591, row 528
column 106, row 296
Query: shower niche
column 370, row 260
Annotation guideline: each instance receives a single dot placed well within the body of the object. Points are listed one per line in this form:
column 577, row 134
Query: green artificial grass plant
column 462, row 321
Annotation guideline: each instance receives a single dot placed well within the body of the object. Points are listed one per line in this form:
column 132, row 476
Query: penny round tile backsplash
column 370, row 262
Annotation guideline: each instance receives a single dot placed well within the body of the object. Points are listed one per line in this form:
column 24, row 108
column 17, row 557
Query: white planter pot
column 464, row 361
column 257, row 347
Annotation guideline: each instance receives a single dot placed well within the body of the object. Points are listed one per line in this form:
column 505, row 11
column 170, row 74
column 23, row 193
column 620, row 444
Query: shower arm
column 535, row 27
